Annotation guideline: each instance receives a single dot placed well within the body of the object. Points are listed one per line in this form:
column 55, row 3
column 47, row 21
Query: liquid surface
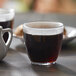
column 43, row 49
column 42, row 26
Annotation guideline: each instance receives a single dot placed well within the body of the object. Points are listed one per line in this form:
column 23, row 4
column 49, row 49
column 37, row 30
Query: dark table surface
column 17, row 63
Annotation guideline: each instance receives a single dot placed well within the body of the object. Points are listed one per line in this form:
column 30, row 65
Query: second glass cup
column 6, row 20
column 43, row 41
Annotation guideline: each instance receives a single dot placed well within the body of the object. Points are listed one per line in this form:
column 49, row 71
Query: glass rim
column 60, row 25
column 6, row 11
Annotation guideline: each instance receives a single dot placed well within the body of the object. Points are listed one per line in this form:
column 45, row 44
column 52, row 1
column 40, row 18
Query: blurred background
column 41, row 6
column 42, row 10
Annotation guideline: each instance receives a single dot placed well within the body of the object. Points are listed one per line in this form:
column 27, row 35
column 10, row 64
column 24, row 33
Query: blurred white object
column 18, row 5
column 72, row 33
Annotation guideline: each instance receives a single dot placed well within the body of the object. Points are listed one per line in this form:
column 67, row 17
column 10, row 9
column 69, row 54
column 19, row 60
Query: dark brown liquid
column 43, row 49
column 6, row 24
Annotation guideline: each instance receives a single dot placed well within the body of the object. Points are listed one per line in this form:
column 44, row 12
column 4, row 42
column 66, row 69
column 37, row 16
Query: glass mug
column 43, row 41
column 6, row 20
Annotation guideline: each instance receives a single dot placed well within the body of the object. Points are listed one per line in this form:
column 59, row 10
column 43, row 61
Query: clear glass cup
column 43, row 41
column 7, row 15
column 6, row 20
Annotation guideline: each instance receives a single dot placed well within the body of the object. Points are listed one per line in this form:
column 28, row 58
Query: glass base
column 35, row 63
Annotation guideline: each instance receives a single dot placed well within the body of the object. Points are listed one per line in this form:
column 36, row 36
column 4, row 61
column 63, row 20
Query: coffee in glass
column 6, row 20
column 43, row 41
